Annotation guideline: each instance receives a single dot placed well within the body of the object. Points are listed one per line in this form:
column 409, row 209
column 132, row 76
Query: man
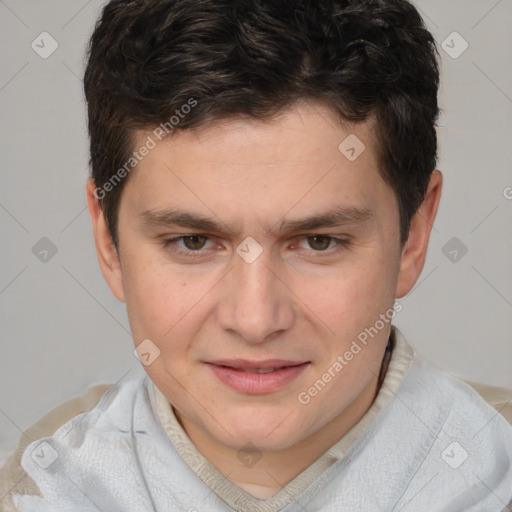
column 263, row 190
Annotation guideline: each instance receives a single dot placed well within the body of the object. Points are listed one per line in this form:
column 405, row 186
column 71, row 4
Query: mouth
column 257, row 377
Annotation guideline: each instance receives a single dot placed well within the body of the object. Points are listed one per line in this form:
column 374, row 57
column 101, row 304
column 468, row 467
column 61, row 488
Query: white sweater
column 428, row 443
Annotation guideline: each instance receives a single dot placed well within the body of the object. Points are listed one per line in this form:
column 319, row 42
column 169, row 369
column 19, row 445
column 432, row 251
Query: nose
column 257, row 302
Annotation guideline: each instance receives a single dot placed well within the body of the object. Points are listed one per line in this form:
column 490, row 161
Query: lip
column 232, row 373
column 246, row 364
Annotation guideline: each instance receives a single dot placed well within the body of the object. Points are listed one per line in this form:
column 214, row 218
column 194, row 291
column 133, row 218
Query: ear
column 105, row 248
column 414, row 251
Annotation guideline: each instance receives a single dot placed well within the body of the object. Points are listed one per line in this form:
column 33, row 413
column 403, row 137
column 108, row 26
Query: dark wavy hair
column 148, row 58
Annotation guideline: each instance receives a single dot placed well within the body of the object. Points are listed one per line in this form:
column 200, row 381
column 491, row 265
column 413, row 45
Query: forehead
column 304, row 156
column 305, row 133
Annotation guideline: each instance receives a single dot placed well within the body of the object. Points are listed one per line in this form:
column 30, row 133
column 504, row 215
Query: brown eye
column 319, row 242
column 194, row 242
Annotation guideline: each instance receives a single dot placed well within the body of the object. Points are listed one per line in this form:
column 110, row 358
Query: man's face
column 292, row 292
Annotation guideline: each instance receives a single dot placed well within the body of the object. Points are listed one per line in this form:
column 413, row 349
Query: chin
column 268, row 432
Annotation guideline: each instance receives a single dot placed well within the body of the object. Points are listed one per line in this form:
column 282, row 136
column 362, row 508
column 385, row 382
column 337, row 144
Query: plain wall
column 62, row 330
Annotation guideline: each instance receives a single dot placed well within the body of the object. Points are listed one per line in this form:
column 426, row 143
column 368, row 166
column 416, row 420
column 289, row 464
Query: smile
column 257, row 378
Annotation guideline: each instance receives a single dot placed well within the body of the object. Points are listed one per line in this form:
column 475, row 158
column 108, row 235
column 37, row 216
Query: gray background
column 62, row 330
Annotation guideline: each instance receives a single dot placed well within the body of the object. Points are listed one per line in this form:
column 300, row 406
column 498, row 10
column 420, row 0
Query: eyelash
column 341, row 244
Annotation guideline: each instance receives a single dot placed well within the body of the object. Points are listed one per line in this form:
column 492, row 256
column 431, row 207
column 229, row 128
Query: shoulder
column 467, row 432
column 471, row 402
column 497, row 397
column 13, row 478
column 468, row 392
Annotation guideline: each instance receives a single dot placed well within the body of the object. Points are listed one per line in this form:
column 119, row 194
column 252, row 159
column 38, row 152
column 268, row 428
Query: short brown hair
column 148, row 58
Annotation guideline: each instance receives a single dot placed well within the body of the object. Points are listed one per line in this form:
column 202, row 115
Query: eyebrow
column 332, row 218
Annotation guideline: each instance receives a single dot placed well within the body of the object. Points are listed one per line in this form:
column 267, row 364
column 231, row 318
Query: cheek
column 162, row 304
column 151, row 297
column 352, row 297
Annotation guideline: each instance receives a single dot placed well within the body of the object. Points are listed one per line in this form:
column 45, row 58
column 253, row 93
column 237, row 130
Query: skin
column 297, row 301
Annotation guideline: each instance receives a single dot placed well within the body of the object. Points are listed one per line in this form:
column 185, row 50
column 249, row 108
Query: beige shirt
column 14, row 480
